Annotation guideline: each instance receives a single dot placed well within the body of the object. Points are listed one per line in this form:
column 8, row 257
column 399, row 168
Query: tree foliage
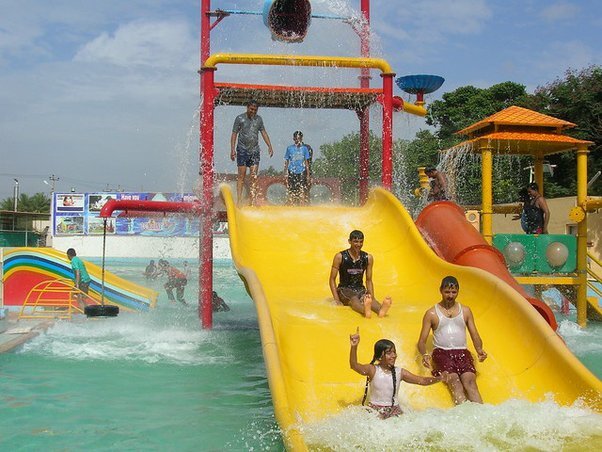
column 341, row 160
column 270, row 171
column 576, row 98
column 462, row 107
column 38, row 203
column 423, row 150
column 459, row 109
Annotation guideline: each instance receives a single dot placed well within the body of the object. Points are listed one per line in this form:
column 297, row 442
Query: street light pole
column 53, row 180
column 15, row 201
column 16, row 195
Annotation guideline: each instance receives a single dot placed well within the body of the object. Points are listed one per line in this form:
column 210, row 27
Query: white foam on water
column 580, row 340
column 512, row 425
column 132, row 337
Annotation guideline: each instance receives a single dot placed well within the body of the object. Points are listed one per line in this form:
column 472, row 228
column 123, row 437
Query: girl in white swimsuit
column 383, row 378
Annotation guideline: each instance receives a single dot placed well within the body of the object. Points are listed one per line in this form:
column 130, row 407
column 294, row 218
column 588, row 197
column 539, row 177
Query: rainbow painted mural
column 24, row 268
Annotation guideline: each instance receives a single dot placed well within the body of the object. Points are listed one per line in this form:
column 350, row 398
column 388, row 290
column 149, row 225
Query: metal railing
column 594, row 278
column 52, row 299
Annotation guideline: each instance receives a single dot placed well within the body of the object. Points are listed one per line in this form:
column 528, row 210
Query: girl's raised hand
column 354, row 339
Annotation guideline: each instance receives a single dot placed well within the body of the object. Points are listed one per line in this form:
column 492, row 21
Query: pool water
column 143, row 381
column 156, row 381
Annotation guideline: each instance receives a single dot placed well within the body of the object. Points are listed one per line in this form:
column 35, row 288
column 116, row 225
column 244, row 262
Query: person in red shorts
column 449, row 320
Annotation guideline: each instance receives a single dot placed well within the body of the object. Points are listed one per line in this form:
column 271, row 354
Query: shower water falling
column 459, row 165
column 186, row 153
column 462, row 167
column 326, row 37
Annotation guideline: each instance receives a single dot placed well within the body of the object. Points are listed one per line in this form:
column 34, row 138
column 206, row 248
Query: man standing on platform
column 296, row 170
column 244, row 147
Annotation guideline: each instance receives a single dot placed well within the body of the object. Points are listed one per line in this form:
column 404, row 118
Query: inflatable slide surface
column 284, row 255
column 23, row 268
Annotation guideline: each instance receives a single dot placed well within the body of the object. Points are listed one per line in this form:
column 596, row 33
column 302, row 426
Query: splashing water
column 141, row 381
column 462, row 166
column 149, row 339
column 513, row 425
column 155, row 378
column 583, row 342
column 186, row 151
column 456, row 165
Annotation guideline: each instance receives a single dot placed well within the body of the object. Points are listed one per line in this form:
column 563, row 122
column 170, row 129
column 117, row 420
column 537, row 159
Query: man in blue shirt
column 80, row 276
column 296, row 170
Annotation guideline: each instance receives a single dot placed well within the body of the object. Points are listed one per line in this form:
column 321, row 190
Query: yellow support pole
column 582, row 236
column 539, row 172
column 424, row 182
column 423, row 179
column 298, row 60
column 487, row 190
column 413, row 109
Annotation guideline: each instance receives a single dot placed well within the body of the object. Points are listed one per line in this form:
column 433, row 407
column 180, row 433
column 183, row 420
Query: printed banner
column 78, row 214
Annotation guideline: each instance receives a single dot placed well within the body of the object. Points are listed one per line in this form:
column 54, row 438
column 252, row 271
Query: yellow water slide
column 284, row 255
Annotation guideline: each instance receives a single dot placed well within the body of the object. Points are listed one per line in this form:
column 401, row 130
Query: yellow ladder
column 593, row 282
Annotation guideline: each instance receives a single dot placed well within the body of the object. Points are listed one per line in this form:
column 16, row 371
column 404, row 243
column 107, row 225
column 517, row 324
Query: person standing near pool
column 296, row 170
column 438, row 184
column 150, row 272
column 80, row 277
column 175, row 280
column 244, row 148
column 309, row 163
column 540, row 207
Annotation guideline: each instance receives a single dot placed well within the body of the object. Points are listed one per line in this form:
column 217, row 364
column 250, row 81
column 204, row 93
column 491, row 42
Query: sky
column 104, row 95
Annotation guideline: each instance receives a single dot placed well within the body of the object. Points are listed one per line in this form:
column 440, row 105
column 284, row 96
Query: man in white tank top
column 449, row 320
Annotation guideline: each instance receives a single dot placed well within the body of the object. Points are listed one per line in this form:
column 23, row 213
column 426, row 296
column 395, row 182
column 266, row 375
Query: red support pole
column 205, row 31
column 206, row 129
column 207, row 176
column 387, row 175
column 364, row 115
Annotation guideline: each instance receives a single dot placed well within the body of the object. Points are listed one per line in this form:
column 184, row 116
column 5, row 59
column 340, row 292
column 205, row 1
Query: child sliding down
column 383, row 377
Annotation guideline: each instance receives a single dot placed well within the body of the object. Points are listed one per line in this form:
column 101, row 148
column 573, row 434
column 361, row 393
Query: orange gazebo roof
column 518, row 116
column 518, row 130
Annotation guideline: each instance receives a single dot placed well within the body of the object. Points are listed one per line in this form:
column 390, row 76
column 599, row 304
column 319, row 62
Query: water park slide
column 23, row 268
column 284, row 256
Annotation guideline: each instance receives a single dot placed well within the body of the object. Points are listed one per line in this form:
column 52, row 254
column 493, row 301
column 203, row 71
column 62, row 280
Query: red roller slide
column 445, row 227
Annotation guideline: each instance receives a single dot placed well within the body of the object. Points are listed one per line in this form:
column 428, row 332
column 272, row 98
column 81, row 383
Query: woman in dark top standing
column 535, row 215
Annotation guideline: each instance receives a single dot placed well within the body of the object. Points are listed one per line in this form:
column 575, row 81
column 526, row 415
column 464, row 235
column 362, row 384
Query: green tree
column 341, row 160
column 465, row 105
column 423, row 150
column 459, row 109
column 39, row 203
column 576, row 98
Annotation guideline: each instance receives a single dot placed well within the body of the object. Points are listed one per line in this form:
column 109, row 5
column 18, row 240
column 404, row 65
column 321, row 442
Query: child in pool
column 384, row 378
